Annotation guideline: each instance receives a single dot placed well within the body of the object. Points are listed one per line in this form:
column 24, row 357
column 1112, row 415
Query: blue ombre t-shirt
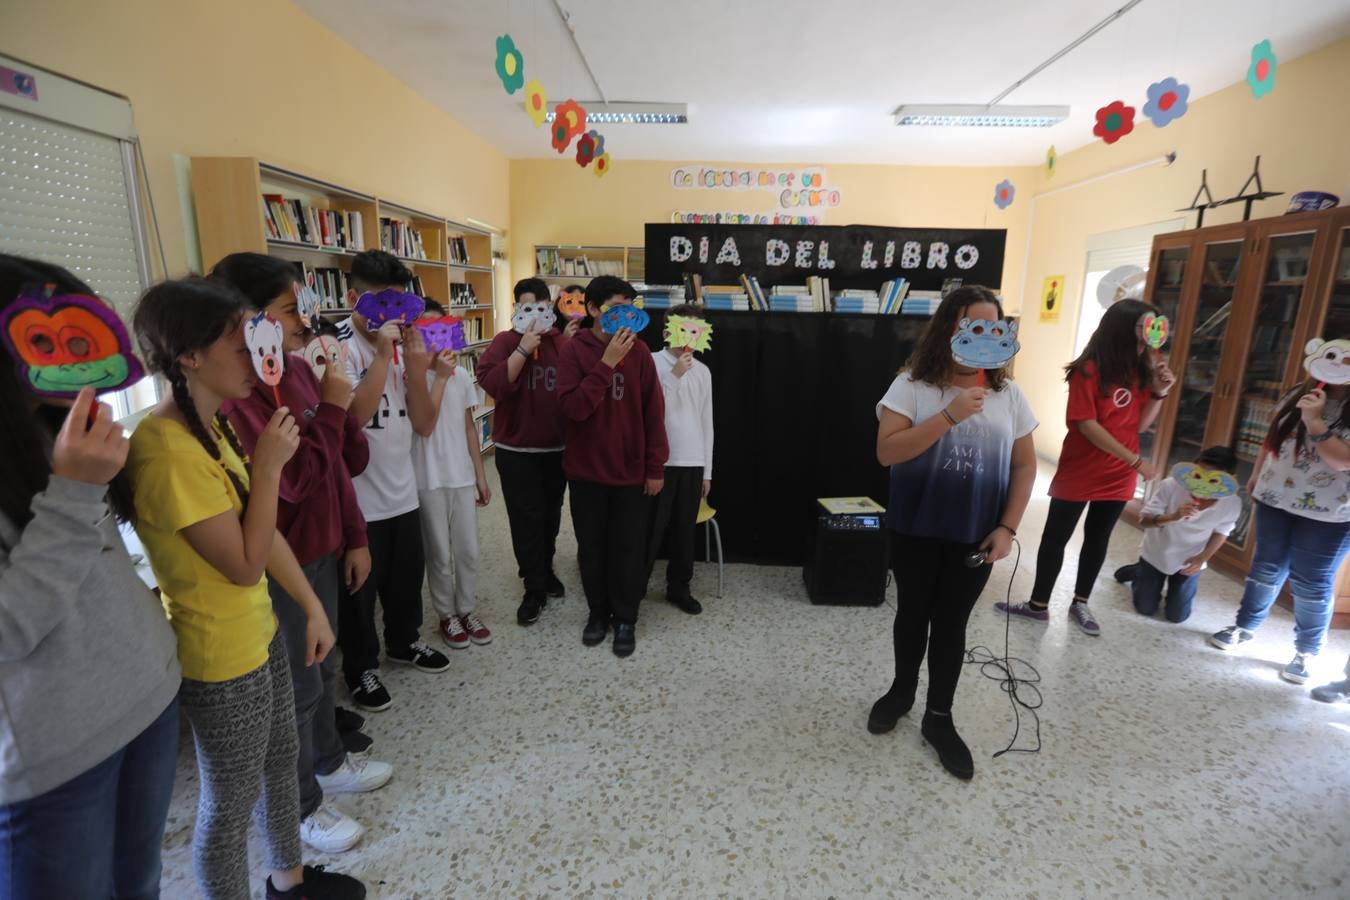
column 955, row 490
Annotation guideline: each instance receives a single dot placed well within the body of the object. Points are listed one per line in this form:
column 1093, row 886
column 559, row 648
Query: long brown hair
column 1114, row 348
column 1288, row 419
column 932, row 361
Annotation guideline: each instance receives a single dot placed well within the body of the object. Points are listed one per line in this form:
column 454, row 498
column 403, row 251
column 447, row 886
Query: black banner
column 851, row 256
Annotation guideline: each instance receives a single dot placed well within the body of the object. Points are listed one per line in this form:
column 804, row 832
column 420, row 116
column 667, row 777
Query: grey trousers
column 244, row 730
column 450, row 544
column 315, row 687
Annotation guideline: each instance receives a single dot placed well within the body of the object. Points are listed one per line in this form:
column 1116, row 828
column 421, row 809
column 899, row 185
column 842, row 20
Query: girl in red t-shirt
column 1115, row 392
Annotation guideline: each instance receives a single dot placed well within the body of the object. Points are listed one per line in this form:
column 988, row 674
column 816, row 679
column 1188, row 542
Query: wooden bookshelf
column 453, row 257
column 553, row 261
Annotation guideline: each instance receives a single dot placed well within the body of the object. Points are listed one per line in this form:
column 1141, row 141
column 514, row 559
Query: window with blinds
column 68, row 195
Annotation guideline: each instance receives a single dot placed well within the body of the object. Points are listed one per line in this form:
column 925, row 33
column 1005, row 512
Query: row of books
column 461, row 294
column 401, row 239
column 660, row 296
column 329, row 283
column 292, row 220
column 459, row 251
column 549, row 262
column 920, row 303
column 1254, row 419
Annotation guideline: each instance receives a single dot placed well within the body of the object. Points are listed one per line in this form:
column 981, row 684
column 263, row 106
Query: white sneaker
column 356, row 775
column 330, row 830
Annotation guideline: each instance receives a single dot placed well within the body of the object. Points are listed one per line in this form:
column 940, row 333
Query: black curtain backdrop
column 794, row 410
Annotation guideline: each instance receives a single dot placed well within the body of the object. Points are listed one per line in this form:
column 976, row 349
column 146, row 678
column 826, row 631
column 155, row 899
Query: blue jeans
column 99, row 834
column 1306, row 552
column 1147, row 588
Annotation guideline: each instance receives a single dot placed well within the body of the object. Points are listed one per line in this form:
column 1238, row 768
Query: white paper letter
column 703, row 249
column 776, row 252
column 729, row 253
column 680, row 249
column 823, row 260
column 967, row 255
column 867, row 261
column 937, row 255
column 912, row 255
column 803, row 260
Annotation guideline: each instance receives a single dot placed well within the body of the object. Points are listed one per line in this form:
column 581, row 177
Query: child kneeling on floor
column 1183, row 529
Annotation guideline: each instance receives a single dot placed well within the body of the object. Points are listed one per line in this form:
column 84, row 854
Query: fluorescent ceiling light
column 630, row 113
column 980, row 116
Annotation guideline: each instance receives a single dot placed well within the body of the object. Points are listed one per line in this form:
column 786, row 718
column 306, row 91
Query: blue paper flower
column 1004, row 192
column 1261, row 73
column 1166, row 101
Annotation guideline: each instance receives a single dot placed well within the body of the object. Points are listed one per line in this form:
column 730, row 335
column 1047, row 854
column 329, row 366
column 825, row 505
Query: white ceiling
column 781, row 81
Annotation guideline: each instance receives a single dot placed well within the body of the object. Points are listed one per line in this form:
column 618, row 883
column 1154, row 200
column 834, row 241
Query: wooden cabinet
column 1243, row 300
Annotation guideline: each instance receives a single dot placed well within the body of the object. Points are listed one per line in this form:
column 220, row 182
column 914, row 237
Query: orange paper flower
column 573, row 115
column 536, row 102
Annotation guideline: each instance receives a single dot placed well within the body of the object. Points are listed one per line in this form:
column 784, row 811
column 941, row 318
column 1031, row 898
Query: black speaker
column 849, row 560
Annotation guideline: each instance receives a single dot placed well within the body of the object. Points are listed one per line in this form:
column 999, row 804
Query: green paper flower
column 1261, row 73
column 510, row 64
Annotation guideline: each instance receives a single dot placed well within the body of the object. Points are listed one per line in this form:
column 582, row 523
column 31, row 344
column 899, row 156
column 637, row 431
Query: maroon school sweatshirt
column 616, row 418
column 317, row 511
column 528, row 414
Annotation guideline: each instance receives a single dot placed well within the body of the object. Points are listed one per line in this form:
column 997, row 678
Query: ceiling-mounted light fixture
column 602, row 113
column 979, row 116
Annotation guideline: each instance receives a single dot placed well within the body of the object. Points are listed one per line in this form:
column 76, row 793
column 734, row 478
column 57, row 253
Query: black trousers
column 611, row 527
column 396, row 571
column 936, row 594
column 532, row 487
column 1059, row 525
column 673, row 512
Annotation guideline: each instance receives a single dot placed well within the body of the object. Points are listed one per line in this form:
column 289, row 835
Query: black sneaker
column 1125, row 574
column 370, row 694
column 421, row 657
column 596, row 629
column 555, row 587
column 951, row 750
column 625, row 639
column 348, row 720
column 685, row 603
column 1336, row 692
column 319, row 884
column 355, row 741
column 530, row 607
column 888, row 710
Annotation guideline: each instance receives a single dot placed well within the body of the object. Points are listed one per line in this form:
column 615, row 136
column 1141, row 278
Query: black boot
column 530, row 607
column 888, row 710
column 597, row 626
column 625, row 639
column 684, row 601
column 953, row 753
column 347, row 720
column 555, row 587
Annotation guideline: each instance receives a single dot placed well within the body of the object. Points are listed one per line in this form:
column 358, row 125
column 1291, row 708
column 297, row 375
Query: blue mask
column 624, row 315
column 982, row 344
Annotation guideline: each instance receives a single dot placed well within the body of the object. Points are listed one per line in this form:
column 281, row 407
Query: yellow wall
column 556, row 201
column 260, row 78
column 1301, row 132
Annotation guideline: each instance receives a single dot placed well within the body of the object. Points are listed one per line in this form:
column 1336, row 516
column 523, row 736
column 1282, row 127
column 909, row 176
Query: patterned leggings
column 247, row 744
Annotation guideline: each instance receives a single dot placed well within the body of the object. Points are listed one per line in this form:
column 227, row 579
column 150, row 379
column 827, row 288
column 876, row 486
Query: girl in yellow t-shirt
column 209, row 527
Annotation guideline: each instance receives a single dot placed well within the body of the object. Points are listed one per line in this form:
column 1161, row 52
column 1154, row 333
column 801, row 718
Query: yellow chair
column 707, row 516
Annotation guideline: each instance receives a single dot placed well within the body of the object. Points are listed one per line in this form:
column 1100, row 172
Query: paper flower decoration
column 1004, row 192
column 1051, row 158
column 585, row 150
column 1166, row 101
column 602, row 165
column 1261, row 73
column 1114, row 121
column 559, row 136
column 599, row 142
column 510, row 64
column 573, row 115
column 536, row 102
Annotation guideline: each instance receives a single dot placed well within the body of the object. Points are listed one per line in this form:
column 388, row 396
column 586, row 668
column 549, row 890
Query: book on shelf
column 723, row 298
column 660, row 296
column 330, row 284
column 856, row 301
column 459, row 251
column 893, row 294
column 921, row 303
column 461, row 294
column 693, row 287
column 401, row 239
column 292, row 220
column 756, row 293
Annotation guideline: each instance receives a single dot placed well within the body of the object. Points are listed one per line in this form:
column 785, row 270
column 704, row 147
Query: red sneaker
column 478, row 632
column 453, row 633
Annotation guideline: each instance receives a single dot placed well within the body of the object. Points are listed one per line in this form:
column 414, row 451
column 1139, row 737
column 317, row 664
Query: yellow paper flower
column 601, row 165
column 536, row 102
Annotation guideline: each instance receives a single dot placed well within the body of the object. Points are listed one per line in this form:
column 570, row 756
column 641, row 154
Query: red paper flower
column 560, row 137
column 1114, row 121
column 585, row 150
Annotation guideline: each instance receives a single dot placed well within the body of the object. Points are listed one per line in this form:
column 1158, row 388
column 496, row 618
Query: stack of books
column 921, row 303
column 660, row 296
column 791, row 298
column 291, row 220
column 856, row 301
column 401, row 239
column 459, row 251
column 1253, row 425
column 473, row 329
column 462, row 295
column 723, row 297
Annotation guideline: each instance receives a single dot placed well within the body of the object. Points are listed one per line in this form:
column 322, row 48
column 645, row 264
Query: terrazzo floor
column 729, row 757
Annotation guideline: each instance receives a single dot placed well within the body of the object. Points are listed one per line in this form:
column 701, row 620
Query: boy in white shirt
column 451, row 485
column 687, row 385
column 1182, row 531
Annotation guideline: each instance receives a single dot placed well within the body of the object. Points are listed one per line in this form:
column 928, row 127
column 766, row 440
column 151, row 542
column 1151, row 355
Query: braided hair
column 178, row 317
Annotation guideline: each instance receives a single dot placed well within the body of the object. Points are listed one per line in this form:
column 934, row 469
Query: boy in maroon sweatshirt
column 615, row 460
column 318, row 515
column 520, row 372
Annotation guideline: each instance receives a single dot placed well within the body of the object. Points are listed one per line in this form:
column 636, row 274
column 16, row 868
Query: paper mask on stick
column 573, row 305
column 1205, row 484
column 982, row 344
column 306, row 303
column 1155, row 330
column 1328, row 361
column 263, row 337
column 538, row 313
column 61, row 343
column 624, row 315
column 389, row 305
column 442, row 333
column 320, row 350
column 686, row 333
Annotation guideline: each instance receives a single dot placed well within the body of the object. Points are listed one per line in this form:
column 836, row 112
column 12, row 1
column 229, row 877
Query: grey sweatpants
column 246, row 741
column 450, row 542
